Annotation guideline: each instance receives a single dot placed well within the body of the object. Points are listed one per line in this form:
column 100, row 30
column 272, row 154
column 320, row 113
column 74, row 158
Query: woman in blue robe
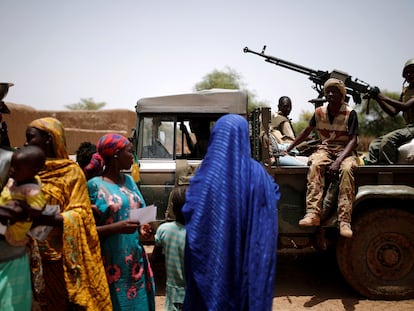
column 232, row 225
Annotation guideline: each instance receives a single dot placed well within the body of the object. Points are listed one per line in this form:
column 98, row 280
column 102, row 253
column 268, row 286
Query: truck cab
column 160, row 140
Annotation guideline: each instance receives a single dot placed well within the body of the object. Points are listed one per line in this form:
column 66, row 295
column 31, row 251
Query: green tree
column 377, row 122
column 231, row 80
column 304, row 118
column 86, row 104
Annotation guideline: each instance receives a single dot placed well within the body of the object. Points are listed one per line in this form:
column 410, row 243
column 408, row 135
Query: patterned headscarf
column 110, row 144
column 95, row 166
column 336, row 83
column 55, row 128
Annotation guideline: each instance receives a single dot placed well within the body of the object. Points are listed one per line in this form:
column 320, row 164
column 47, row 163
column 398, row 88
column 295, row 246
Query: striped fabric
column 171, row 236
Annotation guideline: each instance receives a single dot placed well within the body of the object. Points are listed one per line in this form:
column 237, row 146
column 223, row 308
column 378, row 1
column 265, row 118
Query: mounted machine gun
column 353, row 87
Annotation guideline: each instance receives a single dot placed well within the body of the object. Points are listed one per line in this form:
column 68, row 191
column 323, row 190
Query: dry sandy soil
column 306, row 280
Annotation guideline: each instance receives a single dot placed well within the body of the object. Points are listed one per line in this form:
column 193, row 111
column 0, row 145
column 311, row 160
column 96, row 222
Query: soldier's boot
column 310, row 220
column 345, row 229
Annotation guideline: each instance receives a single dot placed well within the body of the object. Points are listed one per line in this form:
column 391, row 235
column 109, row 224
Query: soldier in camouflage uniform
column 337, row 127
column 280, row 121
column 384, row 150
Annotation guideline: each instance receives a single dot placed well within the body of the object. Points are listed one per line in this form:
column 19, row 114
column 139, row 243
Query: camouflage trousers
column 384, row 149
column 319, row 162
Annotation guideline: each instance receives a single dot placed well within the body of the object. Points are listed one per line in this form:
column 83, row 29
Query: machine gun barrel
column 283, row 63
column 318, row 77
column 353, row 87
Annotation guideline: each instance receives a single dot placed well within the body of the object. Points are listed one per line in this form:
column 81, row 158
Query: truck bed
column 292, row 181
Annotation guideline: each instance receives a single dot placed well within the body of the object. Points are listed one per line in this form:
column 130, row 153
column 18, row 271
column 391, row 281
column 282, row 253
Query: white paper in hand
column 144, row 215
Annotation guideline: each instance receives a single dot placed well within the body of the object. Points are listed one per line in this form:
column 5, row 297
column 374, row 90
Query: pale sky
column 57, row 52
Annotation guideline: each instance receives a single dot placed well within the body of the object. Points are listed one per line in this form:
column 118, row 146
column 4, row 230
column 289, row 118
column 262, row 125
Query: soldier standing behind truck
column 337, row 127
column 384, row 149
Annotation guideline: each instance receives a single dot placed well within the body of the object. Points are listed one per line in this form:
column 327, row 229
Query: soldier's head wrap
column 339, row 84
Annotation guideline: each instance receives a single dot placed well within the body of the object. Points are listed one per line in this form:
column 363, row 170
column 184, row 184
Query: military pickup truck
column 378, row 262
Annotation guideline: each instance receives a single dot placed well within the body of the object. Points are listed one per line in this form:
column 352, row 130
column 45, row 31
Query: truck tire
column 378, row 261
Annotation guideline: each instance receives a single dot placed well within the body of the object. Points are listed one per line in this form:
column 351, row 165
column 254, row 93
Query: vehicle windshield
column 168, row 137
column 157, row 138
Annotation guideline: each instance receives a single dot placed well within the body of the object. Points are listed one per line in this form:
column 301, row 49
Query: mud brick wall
column 80, row 125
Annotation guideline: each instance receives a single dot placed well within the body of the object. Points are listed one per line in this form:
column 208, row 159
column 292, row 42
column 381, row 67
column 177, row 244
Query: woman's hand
column 119, row 227
column 146, row 231
column 126, row 226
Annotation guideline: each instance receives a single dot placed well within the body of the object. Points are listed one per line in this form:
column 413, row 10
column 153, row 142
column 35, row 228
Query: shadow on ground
column 312, row 274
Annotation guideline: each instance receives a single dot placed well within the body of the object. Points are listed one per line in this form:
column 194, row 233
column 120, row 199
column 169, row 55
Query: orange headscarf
column 55, row 128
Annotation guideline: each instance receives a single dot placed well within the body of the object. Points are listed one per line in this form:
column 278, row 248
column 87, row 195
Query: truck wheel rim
column 389, row 256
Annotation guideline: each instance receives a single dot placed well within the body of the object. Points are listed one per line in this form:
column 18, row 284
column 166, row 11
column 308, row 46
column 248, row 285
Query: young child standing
column 171, row 236
column 23, row 185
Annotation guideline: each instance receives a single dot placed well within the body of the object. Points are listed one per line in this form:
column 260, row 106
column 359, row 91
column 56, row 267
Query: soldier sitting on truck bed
column 281, row 135
column 384, row 150
column 280, row 123
column 337, row 127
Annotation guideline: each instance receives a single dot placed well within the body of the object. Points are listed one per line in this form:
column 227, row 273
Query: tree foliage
column 304, row 118
column 231, row 80
column 86, row 104
column 377, row 122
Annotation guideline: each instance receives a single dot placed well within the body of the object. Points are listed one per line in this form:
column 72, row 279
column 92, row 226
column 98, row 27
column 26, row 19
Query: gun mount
column 354, row 87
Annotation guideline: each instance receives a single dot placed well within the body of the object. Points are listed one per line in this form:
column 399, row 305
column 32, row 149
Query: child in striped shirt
column 171, row 236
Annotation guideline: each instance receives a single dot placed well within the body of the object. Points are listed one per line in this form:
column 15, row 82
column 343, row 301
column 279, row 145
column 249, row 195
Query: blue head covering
column 232, row 225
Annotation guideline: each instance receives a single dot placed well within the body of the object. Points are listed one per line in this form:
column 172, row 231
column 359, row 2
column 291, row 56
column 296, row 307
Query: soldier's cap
column 339, row 84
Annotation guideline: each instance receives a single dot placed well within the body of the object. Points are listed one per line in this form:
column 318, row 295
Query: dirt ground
column 306, row 280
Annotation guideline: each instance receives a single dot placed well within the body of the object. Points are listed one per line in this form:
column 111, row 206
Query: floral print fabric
column 128, row 272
